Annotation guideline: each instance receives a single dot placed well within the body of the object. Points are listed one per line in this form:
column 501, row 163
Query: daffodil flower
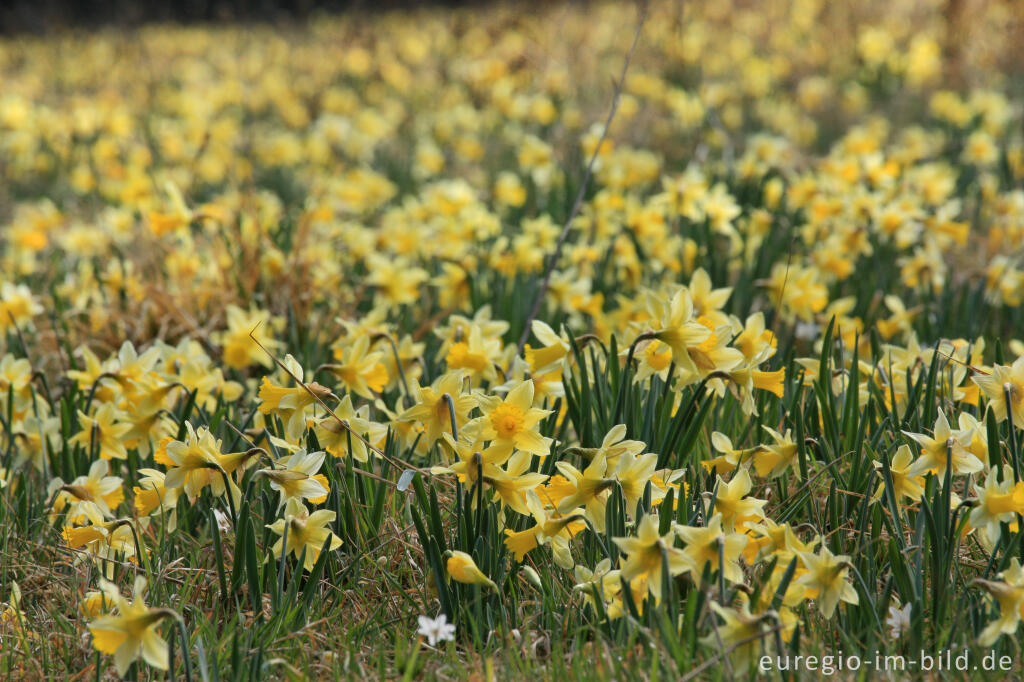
column 131, row 631
column 827, row 577
column 105, row 430
column 712, row 545
column 1002, row 383
column 297, row 477
column 944, row 445
column 648, row 552
column 512, row 423
column 461, row 568
column 431, row 408
column 306, row 532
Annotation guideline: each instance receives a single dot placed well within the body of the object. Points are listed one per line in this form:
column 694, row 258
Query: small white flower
column 223, row 522
column 898, row 620
column 436, row 629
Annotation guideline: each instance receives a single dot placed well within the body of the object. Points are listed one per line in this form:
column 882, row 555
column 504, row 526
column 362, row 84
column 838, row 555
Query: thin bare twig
column 578, row 203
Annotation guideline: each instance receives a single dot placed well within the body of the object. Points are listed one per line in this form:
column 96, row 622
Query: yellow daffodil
column 306, row 532
column 461, row 568
column 827, row 576
column 511, row 423
column 131, row 632
column 712, row 545
column 648, row 552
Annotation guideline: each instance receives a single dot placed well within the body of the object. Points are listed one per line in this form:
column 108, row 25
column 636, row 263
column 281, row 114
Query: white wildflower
column 436, row 629
column 898, row 620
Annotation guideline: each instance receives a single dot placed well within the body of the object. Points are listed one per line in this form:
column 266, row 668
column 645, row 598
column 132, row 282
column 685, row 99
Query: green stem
column 451, row 415
column 398, row 362
column 410, row 665
column 184, row 647
column 231, row 499
column 1014, row 455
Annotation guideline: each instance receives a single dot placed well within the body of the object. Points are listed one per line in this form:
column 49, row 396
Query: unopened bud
column 531, row 577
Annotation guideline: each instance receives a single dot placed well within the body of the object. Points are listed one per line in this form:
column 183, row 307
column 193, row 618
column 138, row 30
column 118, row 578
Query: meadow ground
column 569, row 341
